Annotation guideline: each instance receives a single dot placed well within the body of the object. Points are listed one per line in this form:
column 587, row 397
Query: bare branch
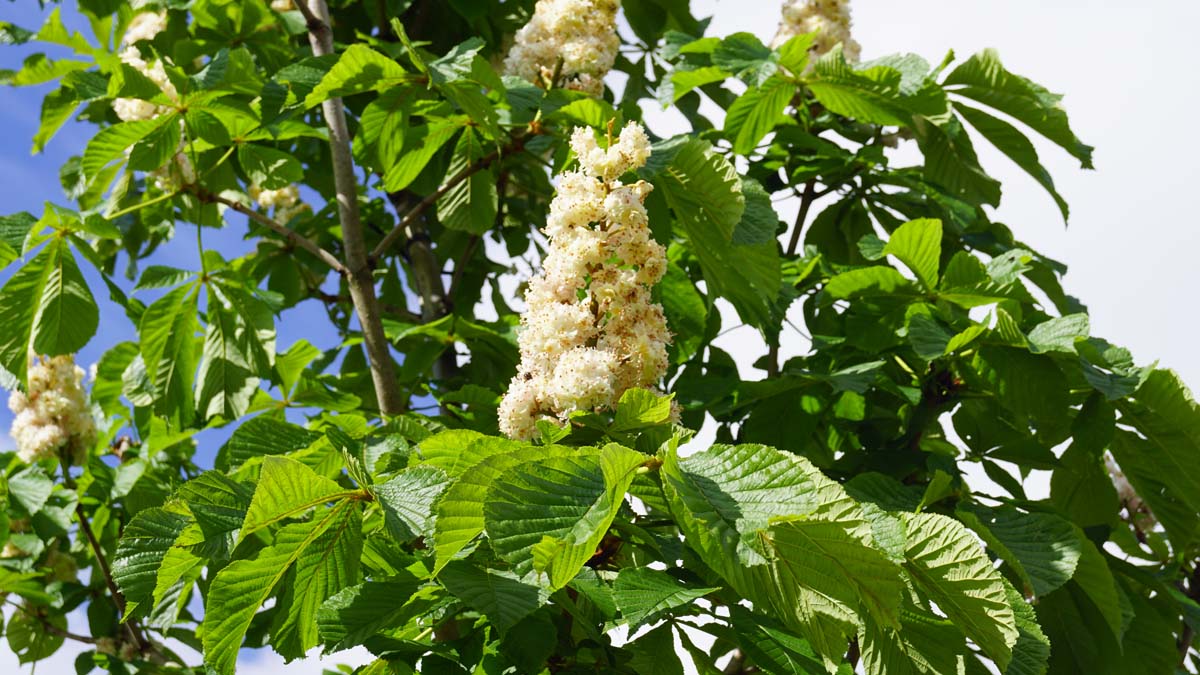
column 293, row 237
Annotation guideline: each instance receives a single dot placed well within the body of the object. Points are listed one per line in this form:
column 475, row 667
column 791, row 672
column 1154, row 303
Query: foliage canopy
column 364, row 496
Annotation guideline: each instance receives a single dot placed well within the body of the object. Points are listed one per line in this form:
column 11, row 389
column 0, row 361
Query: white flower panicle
column 145, row 26
column 591, row 332
column 575, row 38
column 830, row 19
column 53, row 415
column 285, row 201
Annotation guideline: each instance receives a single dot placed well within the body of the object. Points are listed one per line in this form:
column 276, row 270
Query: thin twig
column 135, row 630
column 806, row 202
column 51, row 628
column 404, row 227
column 293, row 237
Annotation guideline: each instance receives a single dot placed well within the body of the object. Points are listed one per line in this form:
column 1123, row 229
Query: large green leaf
column 984, row 79
column 705, row 192
column 548, row 516
column 1042, row 548
column 500, row 594
column 643, row 594
column 359, row 69
column 408, row 499
column 1009, row 140
column 356, row 613
column 946, row 562
column 326, row 566
column 168, row 340
column 47, row 307
column 268, row 168
column 755, row 113
column 877, row 94
column 144, row 543
column 918, row 244
column 244, row 585
column 1166, row 415
column 263, row 436
column 287, row 488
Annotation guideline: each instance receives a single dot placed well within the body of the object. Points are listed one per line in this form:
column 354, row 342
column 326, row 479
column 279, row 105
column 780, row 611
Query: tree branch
column 806, row 202
column 135, row 630
column 51, row 628
column 408, row 221
column 359, row 277
column 293, row 237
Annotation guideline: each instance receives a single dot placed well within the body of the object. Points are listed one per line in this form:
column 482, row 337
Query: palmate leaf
column 947, row 563
column 548, row 516
column 876, row 94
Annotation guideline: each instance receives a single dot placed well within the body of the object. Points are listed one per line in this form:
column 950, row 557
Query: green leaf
column 458, row 513
column 156, row 149
column 1031, row 653
column 30, row 487
column 285, row 489
column 47, row 307
column 946, row 562
column 557, row 510
column 269, row 168
column 111, row 142
column 874, row 95
column 167, row 331
column 866, row 282
column 421, row 143
column 359, row 69
column 408, row 499
column 705, row 192
column 643, row 595
column 1041, row 547
column 358, row 612
column 756, row 112
column 770, row 646
column 744, row 55
column 327, row 565
column 640, row 408
column 241, row 588
column 984, row 79
column 1009, row 140
column 144, row 543
column 500, row 594
column 654, row 653
column 57, row 107
column 951, row 162
column 470, row 205
column 262, row 436
column 918, row 244
column 1059, row 334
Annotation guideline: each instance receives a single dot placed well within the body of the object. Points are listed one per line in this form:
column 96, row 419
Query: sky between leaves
column 1128, row 80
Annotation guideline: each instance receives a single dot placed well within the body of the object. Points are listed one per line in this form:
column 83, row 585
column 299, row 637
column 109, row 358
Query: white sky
column 1131, row 92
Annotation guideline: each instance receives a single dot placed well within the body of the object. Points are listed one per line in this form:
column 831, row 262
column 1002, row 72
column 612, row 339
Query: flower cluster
column 577, row 39
column 145, row 26
column 830, row 19
column 591, row 331
column 285, row 201
column 53, row 416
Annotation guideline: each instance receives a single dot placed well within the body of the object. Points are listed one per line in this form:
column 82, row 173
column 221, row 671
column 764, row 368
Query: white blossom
column 830, row 19
column 591, row 331
column 285, row 201
column 53, row 416
column 282, row 5
column 145, row 26
column 575, row 38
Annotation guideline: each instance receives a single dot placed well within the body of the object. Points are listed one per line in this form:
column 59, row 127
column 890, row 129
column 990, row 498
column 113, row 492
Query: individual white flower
column 282, row 5
column 577, row 39
column 53, row 416
column 174, row 174
column 830, row 19
column 591, row 331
